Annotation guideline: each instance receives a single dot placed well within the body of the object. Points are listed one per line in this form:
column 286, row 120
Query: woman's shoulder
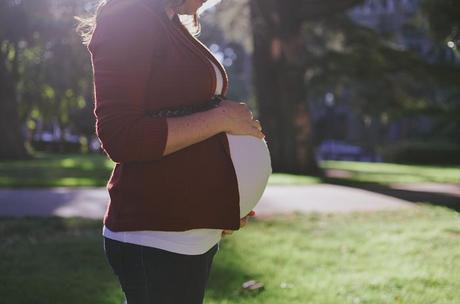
column 126, row 11
column 128, row 22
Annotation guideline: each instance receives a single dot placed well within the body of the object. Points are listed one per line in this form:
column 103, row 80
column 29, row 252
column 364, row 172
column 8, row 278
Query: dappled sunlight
column 388, row 173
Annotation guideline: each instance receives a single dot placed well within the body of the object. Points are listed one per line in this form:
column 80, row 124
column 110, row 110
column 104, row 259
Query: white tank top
column 252, row 163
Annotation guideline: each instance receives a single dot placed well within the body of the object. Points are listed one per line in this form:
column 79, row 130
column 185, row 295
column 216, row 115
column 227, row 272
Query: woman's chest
column 181, row 74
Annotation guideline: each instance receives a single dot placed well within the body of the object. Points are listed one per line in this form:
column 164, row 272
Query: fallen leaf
column 253, row 285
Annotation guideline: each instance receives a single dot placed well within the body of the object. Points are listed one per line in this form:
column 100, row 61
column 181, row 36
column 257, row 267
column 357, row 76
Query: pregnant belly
column 252, row 163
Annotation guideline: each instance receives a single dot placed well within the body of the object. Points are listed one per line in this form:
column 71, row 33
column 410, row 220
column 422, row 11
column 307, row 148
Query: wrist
column 217, row 119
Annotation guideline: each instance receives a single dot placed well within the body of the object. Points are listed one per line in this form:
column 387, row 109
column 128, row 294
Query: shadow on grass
column 61, row 260
column 57, row 260
column 449, row 200
column 229, row 271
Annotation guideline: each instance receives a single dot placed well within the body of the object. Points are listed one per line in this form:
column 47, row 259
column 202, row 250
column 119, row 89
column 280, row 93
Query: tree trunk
column 279, row 86
column 11, row 139
column 279, row 71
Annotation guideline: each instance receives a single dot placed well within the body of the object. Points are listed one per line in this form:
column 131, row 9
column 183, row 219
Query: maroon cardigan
column 142, row 61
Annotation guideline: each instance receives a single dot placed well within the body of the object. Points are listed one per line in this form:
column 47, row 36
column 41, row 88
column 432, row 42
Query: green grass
column 54, row 170
column 404, row 256
column 75, row 170
column 49, row 170
column 292, row 179
column 386, row 173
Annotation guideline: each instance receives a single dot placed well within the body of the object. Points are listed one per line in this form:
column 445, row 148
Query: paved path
column 92, row 202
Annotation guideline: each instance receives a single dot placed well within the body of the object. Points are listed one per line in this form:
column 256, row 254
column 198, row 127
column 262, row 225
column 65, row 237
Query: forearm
column 188, row 130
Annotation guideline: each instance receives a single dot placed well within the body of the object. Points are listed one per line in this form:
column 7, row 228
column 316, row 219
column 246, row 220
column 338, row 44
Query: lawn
column 405, row 256
column 386, row 173
column 54, row 170
column 49, row 170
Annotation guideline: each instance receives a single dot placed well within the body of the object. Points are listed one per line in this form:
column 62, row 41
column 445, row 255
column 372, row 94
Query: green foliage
column 47, row 64
column 443, row 20
column 372, row 75
column 367, row 69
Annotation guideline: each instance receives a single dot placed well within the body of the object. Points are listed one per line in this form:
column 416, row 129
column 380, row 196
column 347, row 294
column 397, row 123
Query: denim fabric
column 150, row 275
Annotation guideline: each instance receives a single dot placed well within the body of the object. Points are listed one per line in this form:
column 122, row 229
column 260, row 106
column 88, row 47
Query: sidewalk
column 92, row 202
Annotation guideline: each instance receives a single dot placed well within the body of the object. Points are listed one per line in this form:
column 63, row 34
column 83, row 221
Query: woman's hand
column 237, row 119
column 243, row 223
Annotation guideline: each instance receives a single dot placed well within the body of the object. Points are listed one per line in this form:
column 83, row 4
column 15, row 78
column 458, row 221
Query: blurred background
column 330, row 80
column 360, row 104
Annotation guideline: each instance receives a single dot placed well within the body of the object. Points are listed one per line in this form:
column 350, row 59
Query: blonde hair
column 86, row 24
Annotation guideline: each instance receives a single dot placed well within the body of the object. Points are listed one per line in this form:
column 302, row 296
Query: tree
column 306, row 49
column 44, row 71
column 280, row 64
column 10, row 129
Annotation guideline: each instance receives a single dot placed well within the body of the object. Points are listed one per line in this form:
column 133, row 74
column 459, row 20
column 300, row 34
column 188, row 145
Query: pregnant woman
column 189, row 164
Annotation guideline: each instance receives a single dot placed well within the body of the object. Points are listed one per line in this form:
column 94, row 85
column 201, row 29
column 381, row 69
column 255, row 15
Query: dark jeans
column 151, row 275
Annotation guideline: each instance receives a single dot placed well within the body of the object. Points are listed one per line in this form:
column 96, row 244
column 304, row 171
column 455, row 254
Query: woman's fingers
column 245, row 219
column 239, row 119
column 256, row 130
column 225, row 232
column 258, row 125
column 243, row 223
column 259, row 133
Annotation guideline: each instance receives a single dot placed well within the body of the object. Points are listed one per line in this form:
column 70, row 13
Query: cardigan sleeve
column 121, row 48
